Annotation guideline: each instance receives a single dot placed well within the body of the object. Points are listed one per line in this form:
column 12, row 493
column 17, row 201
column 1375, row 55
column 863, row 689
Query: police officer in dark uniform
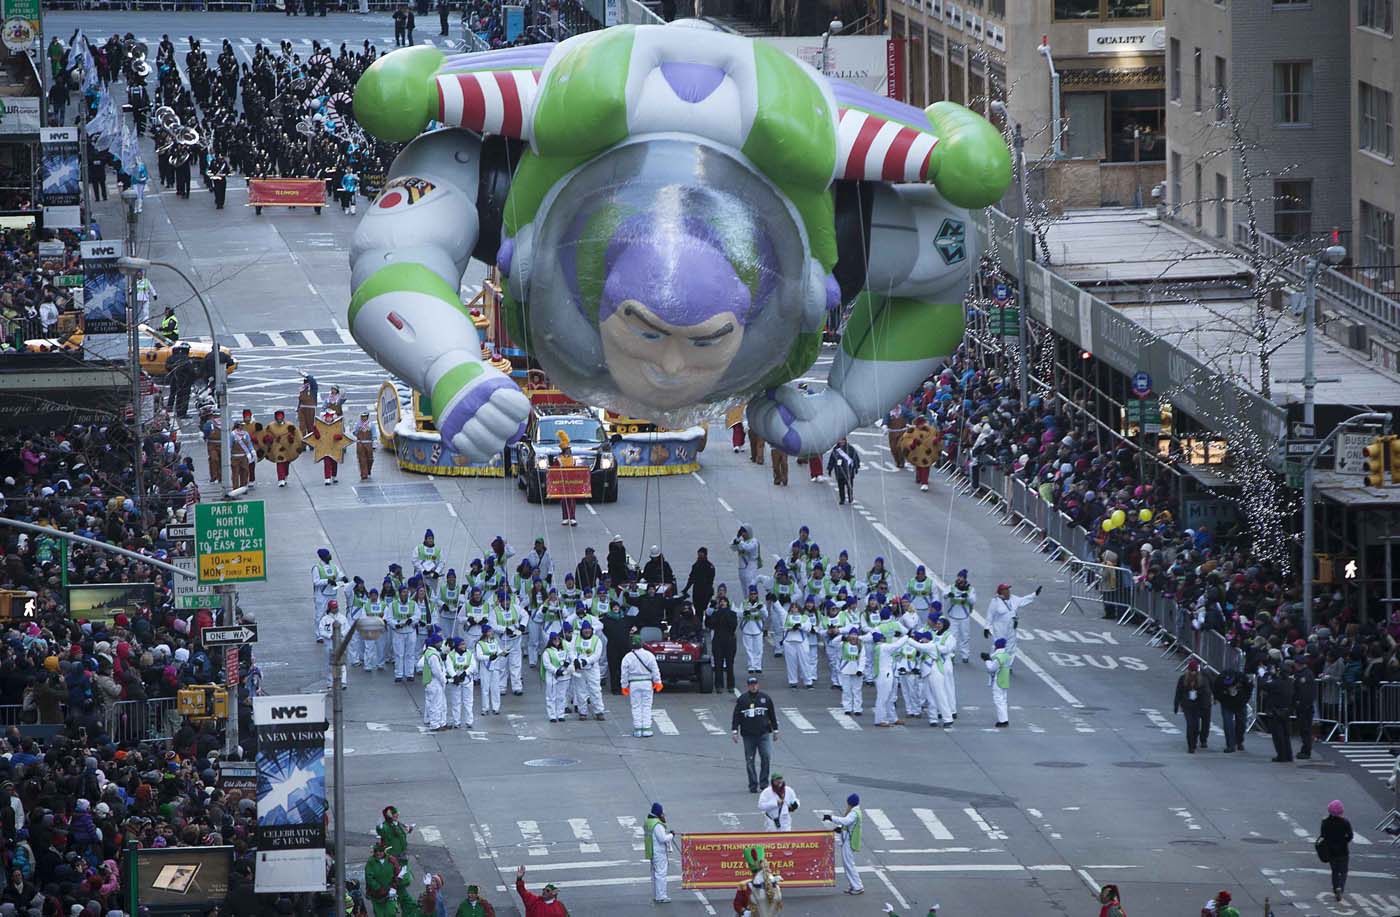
column 1304, row 701
column 1277, row 688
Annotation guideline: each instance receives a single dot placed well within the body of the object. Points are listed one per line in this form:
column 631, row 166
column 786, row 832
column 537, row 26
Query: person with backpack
column 1232, row 692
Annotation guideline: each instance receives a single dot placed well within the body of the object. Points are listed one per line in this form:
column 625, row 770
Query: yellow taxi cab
column 156, row 349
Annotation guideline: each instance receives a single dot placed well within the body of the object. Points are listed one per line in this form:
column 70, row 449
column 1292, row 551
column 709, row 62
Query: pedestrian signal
column 1373, row 460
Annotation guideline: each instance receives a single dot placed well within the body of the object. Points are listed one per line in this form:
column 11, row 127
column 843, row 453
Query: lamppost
column 1331, row 255
column 1018, row 145
column 369, row 628
column 1055, row 118
column 133, row 266
column 832, row 28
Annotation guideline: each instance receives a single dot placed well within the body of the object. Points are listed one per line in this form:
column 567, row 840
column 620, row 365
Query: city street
column 1091, row 784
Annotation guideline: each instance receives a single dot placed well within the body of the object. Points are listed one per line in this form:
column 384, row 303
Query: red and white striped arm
column 500, row 102
column 870, row 148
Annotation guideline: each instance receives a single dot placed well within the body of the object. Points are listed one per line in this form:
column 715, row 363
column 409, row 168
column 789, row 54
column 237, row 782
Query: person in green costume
column 475, row 905
column 393, row 834
column 379, row 882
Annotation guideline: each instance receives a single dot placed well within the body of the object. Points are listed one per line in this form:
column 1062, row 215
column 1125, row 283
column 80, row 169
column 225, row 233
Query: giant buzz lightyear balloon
column 675, row 212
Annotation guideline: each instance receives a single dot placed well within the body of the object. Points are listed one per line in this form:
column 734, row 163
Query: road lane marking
column 934, row 825
column 844, row 720
column 992, row 831
column 584, row 835
column 483, row 849
column 726, row 506
column 730, row 820
column 534, row 839
column 696, row 476
column 629, row 824
column 803, row 724
column 591, row 510
column 882, row 823
column 707, row 720
column 1189, row 820
column 664, row 723
column 430, row 835
column 1161, row 722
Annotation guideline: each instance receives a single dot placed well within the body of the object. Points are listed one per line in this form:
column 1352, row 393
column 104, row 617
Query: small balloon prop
column 1108, row 525
column 1145, row 515
column 1119, row 517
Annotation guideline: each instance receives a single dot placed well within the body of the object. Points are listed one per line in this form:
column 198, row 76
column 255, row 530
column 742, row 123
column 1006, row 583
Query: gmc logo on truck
column 290, row 713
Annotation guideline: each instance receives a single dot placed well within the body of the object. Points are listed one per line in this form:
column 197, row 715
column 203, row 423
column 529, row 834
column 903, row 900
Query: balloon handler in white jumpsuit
column 641, row 679
column 659, row 839
column 847, row 829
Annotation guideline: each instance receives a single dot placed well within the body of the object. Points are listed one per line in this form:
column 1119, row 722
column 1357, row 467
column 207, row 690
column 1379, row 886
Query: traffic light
column 1373, row 460
column 1395, row 459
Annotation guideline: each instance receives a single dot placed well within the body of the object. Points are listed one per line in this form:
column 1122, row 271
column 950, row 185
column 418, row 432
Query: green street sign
column 1144, row 412
column 198, row 601
column 230, row 542
column 1005, row 322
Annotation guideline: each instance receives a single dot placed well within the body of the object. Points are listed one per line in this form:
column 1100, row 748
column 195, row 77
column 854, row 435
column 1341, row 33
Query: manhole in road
column 1259, row 840
column 1137, row 764
column 1193, row 843
column 551, row 762
column 1064, row 764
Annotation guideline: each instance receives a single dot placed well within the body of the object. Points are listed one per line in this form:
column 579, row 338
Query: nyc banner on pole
column 291, row 792
column 60, row 178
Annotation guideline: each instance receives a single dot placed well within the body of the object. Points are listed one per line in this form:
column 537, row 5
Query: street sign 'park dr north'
column 230, row 542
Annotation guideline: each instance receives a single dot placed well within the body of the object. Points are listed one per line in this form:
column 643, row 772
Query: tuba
column 136, row 58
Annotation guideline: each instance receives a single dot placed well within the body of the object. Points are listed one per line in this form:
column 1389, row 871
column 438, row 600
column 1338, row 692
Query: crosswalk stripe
column 803, row 724
column 992, row 831
column 345, row 336
column 1298, row 830
column 530, row 831
column 1156, row 719
column 663, row 722
column 882, row 823
column 706, row 718
column 276, row 339
column 730, row 820
column 484, row 841
column 311, row 337
column 584, row 834
column 935, row 826
column 842, row 719
column 629, row 823
column 242, row 340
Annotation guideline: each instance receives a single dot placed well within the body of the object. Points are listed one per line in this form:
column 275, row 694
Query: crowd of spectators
column 486, row 19
column 1055, row 447
column 32, row 298
column 94, row 755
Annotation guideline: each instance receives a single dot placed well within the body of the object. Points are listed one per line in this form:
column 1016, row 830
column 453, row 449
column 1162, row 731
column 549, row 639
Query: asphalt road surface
column 1091, row 784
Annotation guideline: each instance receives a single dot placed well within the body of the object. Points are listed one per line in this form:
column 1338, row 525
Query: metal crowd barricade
column 1376, row 711
column 155, row 719
column 1095, row 587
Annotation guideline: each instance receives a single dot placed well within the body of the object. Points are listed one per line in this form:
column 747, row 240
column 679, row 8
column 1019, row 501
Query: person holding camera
column 750, row 556
column 777, row 802
column 998, row 664
column 847, row 830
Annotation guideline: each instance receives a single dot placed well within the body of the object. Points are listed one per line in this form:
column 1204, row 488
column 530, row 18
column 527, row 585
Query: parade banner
column 291, row 792
column 60, row 178
column 286, row 192
column 574, row 482
column 804, row 859
column 867, row 61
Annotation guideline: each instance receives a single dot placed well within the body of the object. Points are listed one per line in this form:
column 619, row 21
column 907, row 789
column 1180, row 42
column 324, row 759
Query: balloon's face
column 669, row 365
column 666, row 273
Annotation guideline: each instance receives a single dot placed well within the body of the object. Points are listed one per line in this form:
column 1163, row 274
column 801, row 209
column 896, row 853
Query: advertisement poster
column 104, row 301
column 183, row 880
column 515, row 22
column 291, row 792
column 104, row 601
column 21, row 115
column 805, row 859
column 21, row 24
column 60, row 177
column 862, row 60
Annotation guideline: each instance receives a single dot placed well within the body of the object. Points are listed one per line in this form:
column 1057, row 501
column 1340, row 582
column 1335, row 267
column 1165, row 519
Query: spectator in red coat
column 545, row 904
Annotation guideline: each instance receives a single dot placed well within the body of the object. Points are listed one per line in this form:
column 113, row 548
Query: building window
column 1077, row 9
column 1175, row 191
column 1375, row 127
column 1293, row 92
column 1106, row 9
column 996, row 8
column 1222, row 206
column 1200, row 192
column 1378, row 244
column 1174, row 68
column 1376, row 14
column 1196, row 77
column 1221, row 96
column 1293, row 208
column 1129, row 9
column 1286, row 3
